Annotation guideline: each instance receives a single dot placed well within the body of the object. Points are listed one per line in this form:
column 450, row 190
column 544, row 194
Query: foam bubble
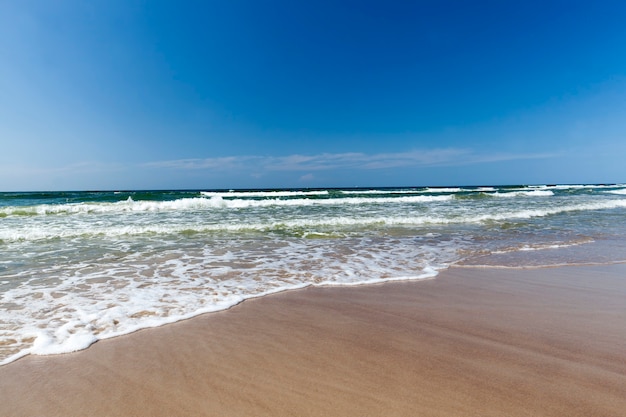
column 62, row 342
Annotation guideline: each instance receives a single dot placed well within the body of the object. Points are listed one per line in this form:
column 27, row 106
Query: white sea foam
column 430, row 190
column 33, row 231
column 270, row 194
column 444, row 190
column 240, row 203
column 541, row 246
column 530, row 213
column 217, row 201
column 575, row 186
column 86, row 302
column 200, row 203
column 621, row 191
column 380, row 192
column 533, row 193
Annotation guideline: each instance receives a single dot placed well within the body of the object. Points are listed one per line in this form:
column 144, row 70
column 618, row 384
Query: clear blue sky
column 228, row 94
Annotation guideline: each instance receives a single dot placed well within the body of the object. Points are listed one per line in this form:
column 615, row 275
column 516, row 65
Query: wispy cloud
column 307, row 168
column 350, row 160
column 221, row 163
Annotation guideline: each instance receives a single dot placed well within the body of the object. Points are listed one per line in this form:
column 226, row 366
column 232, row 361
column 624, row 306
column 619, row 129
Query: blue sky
column 256, row 94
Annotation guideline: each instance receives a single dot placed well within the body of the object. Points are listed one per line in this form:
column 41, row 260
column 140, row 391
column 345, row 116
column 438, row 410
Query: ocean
column 77, row 267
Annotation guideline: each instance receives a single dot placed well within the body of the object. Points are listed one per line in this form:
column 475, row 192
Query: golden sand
column 472, row 342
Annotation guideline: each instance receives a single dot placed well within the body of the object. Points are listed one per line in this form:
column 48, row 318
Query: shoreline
column 191, row 316
column 486, row 341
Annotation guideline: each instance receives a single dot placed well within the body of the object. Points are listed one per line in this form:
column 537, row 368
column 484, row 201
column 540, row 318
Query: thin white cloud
column 221, row 163
column 98, row 175
column 351, row 160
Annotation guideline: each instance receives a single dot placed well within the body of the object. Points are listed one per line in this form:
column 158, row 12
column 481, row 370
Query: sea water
column 76, row 267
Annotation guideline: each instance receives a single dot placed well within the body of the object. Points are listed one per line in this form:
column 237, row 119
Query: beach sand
column 472, row 342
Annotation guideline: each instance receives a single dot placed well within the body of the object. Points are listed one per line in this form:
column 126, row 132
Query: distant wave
column 444, row 190
column 200, row 203
column 271, row 194
column 300, row 227
column 621, row 191
column 380, row 192
column 217, row 200
column 534, row 193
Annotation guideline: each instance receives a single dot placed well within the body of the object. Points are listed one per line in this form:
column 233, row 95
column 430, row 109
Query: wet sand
column 472, row 342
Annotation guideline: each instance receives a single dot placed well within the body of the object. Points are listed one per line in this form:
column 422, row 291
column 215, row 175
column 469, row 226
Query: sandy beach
column 472, row 342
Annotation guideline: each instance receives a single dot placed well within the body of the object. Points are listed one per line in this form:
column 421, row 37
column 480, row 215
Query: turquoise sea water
column 76, row 267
